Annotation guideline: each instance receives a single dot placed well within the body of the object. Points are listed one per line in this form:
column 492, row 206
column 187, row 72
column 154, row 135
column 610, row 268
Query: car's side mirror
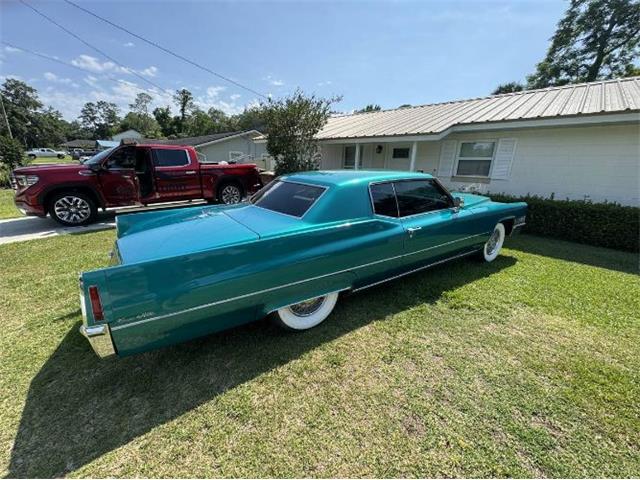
column 458, row 203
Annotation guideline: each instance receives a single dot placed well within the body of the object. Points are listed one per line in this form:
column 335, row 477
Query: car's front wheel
column 60, row 156
column 72, row 209
column 493, row 246
column 307, row 314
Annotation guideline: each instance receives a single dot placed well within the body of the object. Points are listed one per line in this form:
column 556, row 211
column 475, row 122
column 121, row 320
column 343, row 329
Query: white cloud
column 9, row 49
column 235, row 96
column 128, row 44
column 214, row 91
column 274, row 81
column 92, row 64
column 149, row 71
column 52, row 77
column 325, row 83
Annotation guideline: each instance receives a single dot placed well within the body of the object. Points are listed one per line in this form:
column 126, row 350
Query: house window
column 401, row 152
column 349, row 160
column 474, row 159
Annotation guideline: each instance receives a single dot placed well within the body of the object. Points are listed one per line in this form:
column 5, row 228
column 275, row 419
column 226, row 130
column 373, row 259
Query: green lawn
column 44, row 160
column 526, row 367
column 7, row 208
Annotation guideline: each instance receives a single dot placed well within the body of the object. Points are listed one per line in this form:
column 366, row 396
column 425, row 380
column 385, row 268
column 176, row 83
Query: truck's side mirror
column 458, row 203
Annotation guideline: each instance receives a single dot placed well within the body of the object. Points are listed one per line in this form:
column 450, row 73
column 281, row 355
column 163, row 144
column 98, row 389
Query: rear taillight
column 96, row 304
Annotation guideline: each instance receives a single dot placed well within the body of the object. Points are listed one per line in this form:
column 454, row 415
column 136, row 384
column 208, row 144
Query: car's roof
column 351, row 177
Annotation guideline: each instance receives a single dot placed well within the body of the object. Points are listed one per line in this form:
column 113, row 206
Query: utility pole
column 6, row 119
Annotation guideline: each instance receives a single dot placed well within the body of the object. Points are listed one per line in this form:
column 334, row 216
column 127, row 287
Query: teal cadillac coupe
column 288, row 252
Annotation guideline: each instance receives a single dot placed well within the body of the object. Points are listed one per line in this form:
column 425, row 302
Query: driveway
column 29, row 228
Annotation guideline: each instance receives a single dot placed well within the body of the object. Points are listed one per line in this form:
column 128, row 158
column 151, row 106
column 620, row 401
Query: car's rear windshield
column 290, row 198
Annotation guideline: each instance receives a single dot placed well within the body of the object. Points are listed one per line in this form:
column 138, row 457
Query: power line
column 62, row 62
column 166, row 50
column 133, row 72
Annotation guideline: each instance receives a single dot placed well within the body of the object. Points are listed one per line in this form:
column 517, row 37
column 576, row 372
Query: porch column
column 414, row 149
column 356, row 162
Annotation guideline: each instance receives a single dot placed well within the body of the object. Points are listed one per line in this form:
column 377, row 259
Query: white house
column 577, row 141
column 227, row 146
column 127, row 134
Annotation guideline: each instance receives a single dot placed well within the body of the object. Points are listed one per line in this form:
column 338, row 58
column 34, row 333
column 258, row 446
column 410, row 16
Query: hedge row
column 601, row 224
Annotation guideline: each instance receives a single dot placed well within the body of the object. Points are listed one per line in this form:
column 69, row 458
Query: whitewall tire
column 307, row 314
column 493, row 246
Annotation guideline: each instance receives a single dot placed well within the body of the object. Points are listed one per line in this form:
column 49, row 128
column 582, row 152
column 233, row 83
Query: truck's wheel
column 230, row 193
column 72, row 209
column 60, row 156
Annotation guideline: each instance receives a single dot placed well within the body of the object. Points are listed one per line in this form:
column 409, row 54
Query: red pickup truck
column 130, row 174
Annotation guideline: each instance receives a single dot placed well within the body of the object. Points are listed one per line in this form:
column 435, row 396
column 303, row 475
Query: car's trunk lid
column 177, row 232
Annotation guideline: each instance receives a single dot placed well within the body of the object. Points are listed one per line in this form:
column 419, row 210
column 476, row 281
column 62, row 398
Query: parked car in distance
column 79, row 153
column 45, row 153
column 130, row 174
column 289, row 252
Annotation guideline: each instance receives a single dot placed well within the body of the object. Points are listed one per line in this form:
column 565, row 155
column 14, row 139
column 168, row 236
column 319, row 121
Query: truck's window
column 287, row 197
column 170, row 158
column 99, row 157
column 420, row 196
column 384, row 199
column 122, row 158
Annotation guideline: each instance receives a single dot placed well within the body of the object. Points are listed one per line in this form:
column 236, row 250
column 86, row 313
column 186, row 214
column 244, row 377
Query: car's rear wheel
column 230, row 193
column 493, row 246
column 307, row 314
column 72, row 209
column 60, row 156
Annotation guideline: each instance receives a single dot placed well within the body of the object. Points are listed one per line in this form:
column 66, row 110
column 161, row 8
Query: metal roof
column 603, row 97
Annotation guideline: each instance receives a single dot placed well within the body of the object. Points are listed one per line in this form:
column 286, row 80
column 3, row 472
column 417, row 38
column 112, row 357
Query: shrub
column 600, row 224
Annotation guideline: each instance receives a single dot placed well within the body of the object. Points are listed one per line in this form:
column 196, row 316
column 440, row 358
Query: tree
column 199, row 123
column 221, row 121
column 508, row 88
column 100, row 119
column 139, row 118
column 165, row 120
column 292, row 124
column 596, row 39
column 370, row 108
column 405, row 105
column 11, row 154
column 252, row 118
column 21, row 104
column 184, row 100
column 141, row 103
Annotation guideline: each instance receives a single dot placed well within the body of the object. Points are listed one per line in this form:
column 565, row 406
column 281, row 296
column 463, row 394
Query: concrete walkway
column 29, row 228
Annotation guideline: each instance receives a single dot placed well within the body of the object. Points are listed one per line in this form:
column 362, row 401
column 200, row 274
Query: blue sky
column 384, row 52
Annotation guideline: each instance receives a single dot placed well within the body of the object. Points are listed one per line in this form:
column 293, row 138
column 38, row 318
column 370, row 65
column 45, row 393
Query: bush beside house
column 600, row 224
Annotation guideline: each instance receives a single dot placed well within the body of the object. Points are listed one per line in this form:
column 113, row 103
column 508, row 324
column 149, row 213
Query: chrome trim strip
column 416, row 270
column 99, row 337
column 240, row 297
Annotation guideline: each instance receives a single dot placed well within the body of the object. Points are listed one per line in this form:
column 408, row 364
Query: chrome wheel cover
column 308, row 307
column 72, row 209
column 493, row 242
column 231, row 194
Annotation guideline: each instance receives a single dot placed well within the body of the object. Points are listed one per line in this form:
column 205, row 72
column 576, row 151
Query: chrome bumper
column 99, row 337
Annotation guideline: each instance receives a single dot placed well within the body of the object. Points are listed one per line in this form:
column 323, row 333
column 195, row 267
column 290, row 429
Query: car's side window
column 122, row 158
column 384, row 199
column 170, row 158
column 420, row 196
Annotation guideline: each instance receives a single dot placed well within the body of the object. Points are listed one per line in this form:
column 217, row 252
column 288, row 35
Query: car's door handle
column 412, row 230
column 190, row 172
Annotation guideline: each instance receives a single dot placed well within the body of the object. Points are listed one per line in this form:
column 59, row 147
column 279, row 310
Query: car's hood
column 53, row 168
column 155, row 235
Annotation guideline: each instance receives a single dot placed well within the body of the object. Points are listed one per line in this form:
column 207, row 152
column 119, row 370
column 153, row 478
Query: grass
column 7, row 207
column 525, row 367
column 48, row 160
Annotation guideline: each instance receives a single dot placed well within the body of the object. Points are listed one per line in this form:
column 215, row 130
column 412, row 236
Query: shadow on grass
column 588, row 255
column 79, row 407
